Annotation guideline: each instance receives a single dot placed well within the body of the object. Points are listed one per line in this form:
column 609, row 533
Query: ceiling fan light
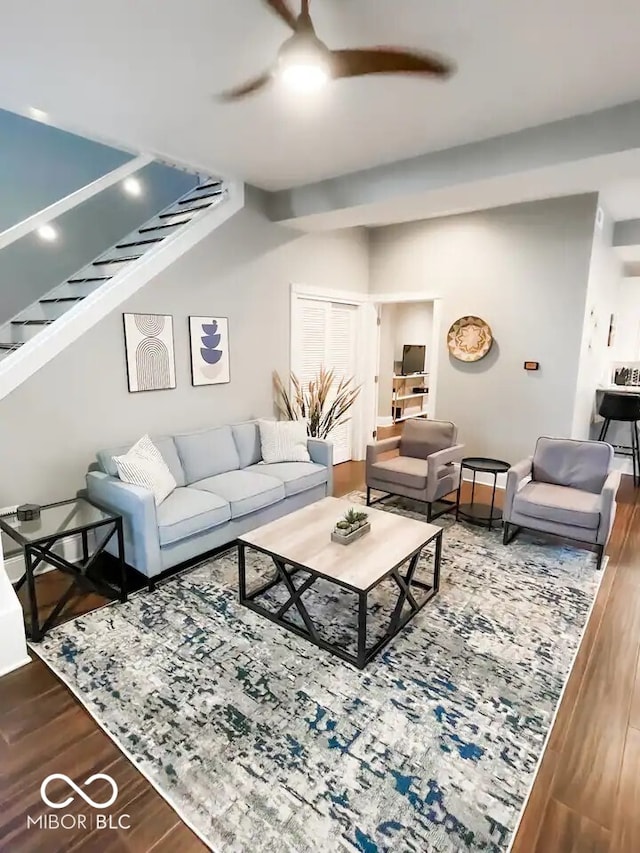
column 305, row 77
column 304, row 64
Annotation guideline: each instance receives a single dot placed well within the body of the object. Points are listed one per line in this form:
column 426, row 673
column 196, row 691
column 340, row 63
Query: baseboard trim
column 623, row 464
column 15, row 666
column 70, row 549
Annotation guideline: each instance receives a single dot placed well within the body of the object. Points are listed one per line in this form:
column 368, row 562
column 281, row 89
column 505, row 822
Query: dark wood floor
column 586, row 798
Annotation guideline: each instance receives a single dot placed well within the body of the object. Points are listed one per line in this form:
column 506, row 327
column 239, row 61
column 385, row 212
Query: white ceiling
column 143, row 73
column 621, row 197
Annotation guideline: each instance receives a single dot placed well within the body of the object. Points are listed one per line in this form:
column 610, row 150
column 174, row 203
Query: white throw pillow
column 143, row 465
column 284, row 441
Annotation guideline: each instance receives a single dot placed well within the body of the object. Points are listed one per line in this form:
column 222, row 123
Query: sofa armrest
column 608, row 506
column 321, row 452
column 138, row 510
column 385, row 445
column 515, row 477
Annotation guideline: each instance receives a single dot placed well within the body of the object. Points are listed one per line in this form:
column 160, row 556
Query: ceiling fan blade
column 282, row 10
column 247, row 88
column 388, row 60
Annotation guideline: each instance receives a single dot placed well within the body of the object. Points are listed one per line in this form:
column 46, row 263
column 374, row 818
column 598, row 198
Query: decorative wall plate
column 469, row 339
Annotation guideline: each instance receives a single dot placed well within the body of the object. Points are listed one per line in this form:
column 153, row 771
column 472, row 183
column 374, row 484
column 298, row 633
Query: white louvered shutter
column 324, row 335
column 312, row 339
column 341, row 356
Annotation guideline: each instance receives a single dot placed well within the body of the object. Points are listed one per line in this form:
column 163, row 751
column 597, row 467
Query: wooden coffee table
column 301, row 542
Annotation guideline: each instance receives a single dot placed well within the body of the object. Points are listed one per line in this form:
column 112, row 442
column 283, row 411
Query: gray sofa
column 567, row 488
column 224, row 490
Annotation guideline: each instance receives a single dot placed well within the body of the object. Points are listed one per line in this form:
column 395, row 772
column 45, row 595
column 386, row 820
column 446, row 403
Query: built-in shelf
column 407, row 403
column 409, row 396
column 410, row 417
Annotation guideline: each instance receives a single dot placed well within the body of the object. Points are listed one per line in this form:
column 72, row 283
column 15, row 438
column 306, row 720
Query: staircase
column 110, row 266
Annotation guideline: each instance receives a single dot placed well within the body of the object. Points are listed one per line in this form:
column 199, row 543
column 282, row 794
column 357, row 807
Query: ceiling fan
column 305, row 63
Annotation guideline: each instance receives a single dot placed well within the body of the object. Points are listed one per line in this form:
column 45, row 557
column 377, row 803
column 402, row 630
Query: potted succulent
column 351, row 526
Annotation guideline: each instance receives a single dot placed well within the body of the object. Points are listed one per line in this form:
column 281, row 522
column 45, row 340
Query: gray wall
column 30, row 267
column 524, row 270
column 51, row 426
column 41, row 164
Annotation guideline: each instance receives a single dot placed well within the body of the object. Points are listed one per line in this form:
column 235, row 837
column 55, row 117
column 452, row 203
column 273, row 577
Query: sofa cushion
column 283, row 441
column 296, row 476
column 559, row 504
column 189, row 511
column 245, row 491
column 207, row 453
column 165, row 445
column 247, row 438
column 144, row 466
column 578, row 464
column 407, row 471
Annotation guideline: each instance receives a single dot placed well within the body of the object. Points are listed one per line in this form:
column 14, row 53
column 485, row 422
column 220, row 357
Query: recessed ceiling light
column 132, row 186
column 38, row 115
column 47, row 233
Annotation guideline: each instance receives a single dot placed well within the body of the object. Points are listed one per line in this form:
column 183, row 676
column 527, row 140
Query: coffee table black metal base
column 405, row 581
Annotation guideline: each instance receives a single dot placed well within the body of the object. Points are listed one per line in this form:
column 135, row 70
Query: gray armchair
column 567, row 488
column 426, row 468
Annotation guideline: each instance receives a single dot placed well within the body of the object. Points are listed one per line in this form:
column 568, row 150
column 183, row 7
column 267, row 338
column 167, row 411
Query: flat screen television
column 413, row 357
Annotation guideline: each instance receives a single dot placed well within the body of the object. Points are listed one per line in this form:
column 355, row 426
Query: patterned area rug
column 263, row 742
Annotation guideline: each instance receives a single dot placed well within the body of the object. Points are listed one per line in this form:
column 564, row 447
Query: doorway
column 408, row 332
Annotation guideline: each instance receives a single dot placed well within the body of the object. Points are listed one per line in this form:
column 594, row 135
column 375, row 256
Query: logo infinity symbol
column 79, row 791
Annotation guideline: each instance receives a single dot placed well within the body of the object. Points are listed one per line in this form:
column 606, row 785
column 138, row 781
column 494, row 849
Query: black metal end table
column 39, row 537
column 480, row 513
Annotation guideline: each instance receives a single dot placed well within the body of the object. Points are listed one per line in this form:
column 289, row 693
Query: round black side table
column 474, row 512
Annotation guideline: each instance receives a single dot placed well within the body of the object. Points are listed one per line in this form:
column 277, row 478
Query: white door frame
column 361, row 427
column 365, row 414
column 380, row 299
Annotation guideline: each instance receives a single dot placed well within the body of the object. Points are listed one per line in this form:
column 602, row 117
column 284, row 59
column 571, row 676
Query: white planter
column 338, row 536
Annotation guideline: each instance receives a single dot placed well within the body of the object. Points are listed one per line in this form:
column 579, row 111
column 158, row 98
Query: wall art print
column 209, row 350
column 151, row 363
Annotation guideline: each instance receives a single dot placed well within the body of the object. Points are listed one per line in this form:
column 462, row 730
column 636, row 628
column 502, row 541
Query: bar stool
column 625, row 408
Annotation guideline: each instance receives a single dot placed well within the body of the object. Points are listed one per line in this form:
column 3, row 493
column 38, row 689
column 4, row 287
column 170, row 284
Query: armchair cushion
column 404, row 471
column 560, row 504
column 581, row 465
column 421, row 438
column 189, row 511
